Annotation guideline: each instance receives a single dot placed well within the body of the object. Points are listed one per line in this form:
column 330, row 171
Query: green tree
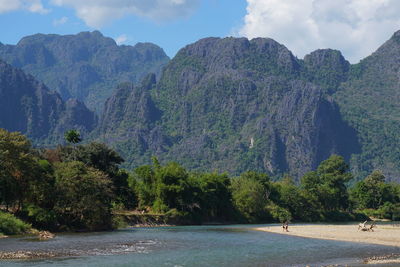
column 72, row 136
column 84, row 195
column 326, row 188
column 18, row 167
column 290, row 197
column 373, row 192
column 249, row 195
column 145, row 185
column 171, row 186
column 212, row 196
column 107, row 160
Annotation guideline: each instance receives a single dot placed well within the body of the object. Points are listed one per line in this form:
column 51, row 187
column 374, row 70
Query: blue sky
column 355, row 27
column 218, row 18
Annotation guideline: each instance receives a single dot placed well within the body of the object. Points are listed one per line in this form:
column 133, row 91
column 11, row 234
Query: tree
column 98, row 156
column 289, row 196
column 84, row 195
column 212, row 195
column 326, row 188
column 18, row 167
column 249, row 195
column 145, row 185
column 72, row 136
column 107, row 160
column 172, row 182
column 334, row 174
column 373, row 192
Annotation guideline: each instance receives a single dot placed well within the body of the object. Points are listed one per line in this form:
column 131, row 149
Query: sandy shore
column 388, row 235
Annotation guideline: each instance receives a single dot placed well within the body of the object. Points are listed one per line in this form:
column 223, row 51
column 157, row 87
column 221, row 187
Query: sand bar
column 388, row 235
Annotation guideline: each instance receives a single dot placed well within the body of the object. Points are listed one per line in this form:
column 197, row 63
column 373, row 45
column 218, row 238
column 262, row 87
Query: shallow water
column 235, row 245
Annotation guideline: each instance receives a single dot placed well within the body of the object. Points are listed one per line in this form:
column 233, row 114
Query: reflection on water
column 235, row 245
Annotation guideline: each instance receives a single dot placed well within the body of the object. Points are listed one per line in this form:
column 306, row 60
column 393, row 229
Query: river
column 233, row 245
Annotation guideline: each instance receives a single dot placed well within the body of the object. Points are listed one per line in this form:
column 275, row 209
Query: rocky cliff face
column 228, row 104
column 27, row 106
column 86, row 66
column 234, row 105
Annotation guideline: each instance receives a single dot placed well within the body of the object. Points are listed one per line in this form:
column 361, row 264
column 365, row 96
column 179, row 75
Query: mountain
column 28, row 106
column 225, row 104
column 233, row 105
column 85, row 66
column 369, row 101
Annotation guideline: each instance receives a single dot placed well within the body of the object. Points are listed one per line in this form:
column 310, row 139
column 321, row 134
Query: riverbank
column 388, row 235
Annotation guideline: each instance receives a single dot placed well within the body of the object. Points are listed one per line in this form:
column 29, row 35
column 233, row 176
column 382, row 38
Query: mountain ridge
column 28, row 106
column 86, row 66
column 233, row 104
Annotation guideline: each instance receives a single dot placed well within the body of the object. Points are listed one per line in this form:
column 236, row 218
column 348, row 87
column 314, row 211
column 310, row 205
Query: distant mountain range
column 86, row 66
column 28, row 106
column 228, row 104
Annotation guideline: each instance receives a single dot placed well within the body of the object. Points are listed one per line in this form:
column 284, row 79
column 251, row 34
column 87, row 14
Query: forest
column 81, row 187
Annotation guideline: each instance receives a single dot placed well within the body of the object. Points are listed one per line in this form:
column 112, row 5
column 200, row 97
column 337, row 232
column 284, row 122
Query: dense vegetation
column 81, row 187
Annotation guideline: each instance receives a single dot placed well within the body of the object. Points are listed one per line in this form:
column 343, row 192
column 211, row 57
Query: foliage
column 72, row 136
column 249, row 195
column 18, row 167
column 372, row 192
column 326, row 188
column 105, row 159
column 83, row 188
column 10, row 225
column 212, row 196
column 373, row 197
column 278, row 213
column 83, row 196
column 287, row 195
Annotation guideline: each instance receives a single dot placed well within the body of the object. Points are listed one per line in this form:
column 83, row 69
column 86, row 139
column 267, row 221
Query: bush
column 41, row 218
column 11, row 225
column 118, row 222
column 386, row 211
column 278, row 213
column 338, row 216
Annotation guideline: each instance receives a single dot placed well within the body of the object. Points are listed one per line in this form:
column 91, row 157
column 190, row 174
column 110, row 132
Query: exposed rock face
column 228, row 104
column 27, row 106
column 233, row 105
column 86, row 66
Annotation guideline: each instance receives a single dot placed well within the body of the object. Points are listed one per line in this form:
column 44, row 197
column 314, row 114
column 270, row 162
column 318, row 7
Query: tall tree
column 18, row 167
column 72, row 136
column 326, row 188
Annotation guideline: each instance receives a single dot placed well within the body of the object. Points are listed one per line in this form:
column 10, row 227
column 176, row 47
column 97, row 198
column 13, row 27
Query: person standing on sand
column 285, row 226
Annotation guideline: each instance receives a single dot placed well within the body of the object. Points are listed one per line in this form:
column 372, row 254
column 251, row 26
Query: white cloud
column 7, row 5
column 121, row 39
column 60, row 21
column 34, row 6
column 96, row 13
column 356, row 27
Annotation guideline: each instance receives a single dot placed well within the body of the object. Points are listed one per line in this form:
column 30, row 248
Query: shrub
column 278, row 213
column 11, row 225
column 41, row 218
